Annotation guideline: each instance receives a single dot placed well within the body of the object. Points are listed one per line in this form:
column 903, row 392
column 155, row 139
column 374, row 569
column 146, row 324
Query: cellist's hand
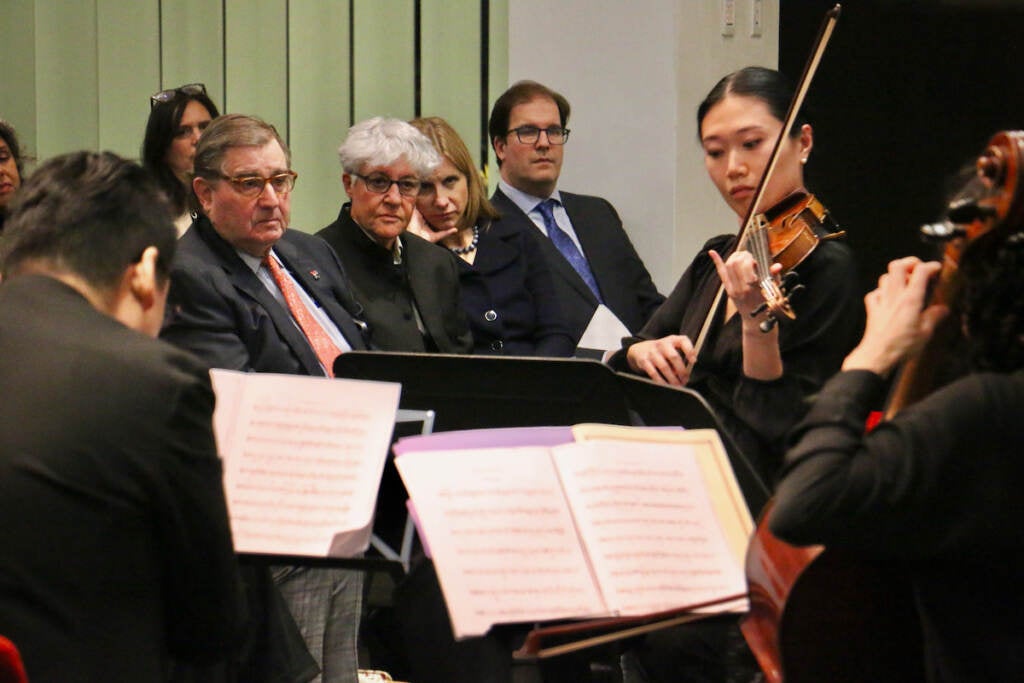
column 898, row 325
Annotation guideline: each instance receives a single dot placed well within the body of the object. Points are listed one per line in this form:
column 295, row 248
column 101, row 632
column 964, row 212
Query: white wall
column 634, row 73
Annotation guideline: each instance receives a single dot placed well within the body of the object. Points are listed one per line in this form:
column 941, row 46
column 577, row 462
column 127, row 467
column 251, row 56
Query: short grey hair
column 382, row 141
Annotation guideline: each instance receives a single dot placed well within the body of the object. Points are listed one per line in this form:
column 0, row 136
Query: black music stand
column 470, row 392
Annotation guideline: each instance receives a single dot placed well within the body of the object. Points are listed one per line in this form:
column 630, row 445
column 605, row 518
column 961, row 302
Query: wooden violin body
column 818, row 614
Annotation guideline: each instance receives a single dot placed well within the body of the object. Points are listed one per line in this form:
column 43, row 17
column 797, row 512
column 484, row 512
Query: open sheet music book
column 303, row 457
column 623, row 521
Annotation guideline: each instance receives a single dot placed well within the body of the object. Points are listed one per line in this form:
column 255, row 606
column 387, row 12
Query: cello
column 823, row 615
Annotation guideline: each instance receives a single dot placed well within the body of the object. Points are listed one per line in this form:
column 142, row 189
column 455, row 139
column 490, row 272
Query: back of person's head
column 768, row 85
column 162, row 127
column 11, row 138
column 448, row 143
column 228, row 132
column 521, row 93
column 90, row 214
column 987, row 299
column 383, row 141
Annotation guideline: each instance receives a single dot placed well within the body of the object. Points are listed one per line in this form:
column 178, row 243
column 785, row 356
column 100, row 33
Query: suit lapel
column 424, row 291
column 314, row 281
column 554, row 257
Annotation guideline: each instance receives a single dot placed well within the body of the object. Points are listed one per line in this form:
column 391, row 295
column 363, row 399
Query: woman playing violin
column 755, row 381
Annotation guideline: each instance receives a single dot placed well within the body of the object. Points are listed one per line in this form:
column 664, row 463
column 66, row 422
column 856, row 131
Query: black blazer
column 509, row 296
column 428, row 274
column 115, row 548
column 218, row 308
column 625, row 284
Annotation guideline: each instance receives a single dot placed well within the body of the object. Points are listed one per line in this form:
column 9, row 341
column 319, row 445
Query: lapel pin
column 315, row 274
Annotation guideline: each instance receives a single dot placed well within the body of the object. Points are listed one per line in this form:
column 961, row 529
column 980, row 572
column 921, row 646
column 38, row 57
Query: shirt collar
column 526, row 202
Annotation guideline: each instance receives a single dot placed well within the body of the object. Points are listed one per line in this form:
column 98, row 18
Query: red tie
column 326, row 350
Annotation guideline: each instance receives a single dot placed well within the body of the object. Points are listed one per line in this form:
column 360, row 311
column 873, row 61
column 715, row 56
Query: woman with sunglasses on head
column 177, row 118
column 507, row 291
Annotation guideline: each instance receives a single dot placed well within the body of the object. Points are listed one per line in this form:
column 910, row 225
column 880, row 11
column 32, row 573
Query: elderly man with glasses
column 249, row 294
column 409, row 288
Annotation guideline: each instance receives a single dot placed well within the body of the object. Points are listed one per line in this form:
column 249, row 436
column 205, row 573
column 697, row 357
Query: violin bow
column 824, row 34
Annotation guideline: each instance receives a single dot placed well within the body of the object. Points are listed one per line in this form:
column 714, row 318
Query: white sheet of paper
column 604, row 332
column 303, row 457
column 646, row 519
column 501, row 535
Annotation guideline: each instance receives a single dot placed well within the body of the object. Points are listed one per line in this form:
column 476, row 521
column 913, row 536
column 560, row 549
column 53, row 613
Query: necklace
column 469, row 247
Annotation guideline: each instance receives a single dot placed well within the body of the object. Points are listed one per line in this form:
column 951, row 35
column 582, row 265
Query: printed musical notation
column 593, row 528
column 302, row 457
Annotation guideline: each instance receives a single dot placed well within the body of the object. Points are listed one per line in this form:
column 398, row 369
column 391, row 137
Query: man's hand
column 898, row 325
column 667, row 360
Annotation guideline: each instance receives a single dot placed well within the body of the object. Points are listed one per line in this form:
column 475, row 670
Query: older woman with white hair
column 408, row 287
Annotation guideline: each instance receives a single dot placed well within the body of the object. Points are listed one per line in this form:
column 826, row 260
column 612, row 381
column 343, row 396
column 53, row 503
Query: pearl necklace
column 469, row 247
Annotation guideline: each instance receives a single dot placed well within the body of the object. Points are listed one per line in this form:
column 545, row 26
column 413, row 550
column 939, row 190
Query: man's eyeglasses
column 381, row 184
column 168, row 95
column 529, row 135
column 252, row 186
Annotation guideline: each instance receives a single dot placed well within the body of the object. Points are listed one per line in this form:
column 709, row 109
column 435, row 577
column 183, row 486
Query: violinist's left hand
column 739, row 277
column 762, row 359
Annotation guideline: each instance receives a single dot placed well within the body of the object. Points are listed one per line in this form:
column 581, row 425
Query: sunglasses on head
column 168, row 95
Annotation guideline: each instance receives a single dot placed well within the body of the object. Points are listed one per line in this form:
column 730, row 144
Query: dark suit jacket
column 115, row 549
column 622, row 277
column 218, row 308
column 509, row 296
column 428, row 274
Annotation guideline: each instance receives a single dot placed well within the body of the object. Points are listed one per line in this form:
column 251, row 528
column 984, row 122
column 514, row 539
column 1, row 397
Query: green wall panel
column 192, row 45
column 384, row 59
column 256, row 59
column 18, row 55
column 67, row 107
column 128, row 71
column 318, row 108
column 450, row 66
column 497, row 78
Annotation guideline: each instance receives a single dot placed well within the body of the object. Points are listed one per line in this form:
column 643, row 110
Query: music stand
column 469, row 392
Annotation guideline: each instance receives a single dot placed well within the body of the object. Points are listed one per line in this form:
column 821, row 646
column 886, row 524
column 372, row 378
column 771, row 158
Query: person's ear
column 500, row 145
column 806, row 140
column 204, row 193
column 142, row 279
column 347, row 181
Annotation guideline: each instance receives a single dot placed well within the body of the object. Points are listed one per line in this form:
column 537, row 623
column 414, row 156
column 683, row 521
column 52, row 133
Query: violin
column 776, row 300
column 822, row 615
column 786, row 234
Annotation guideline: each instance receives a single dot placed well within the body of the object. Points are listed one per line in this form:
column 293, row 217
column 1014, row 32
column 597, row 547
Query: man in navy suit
column 588, row 251
column 249, row 294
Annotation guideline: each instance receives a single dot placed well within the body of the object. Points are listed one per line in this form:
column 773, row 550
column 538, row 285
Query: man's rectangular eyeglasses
column 253, row 185
column 168, row 95
column 529, row 135
column 381, row 184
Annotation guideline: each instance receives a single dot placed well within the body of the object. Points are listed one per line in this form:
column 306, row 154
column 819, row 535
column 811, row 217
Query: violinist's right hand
column 667, row 360
column 898, row 325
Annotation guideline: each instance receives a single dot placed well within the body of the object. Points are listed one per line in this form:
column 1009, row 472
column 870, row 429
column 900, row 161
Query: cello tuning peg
column 790, row 279
column 967, row 210
column 767, row 324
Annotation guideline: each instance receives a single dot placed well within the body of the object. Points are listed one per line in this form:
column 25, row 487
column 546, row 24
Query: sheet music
column 303, row 458
column 648, row 525
column 502, row 537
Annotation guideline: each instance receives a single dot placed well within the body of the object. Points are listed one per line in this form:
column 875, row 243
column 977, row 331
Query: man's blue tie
column 567, row 247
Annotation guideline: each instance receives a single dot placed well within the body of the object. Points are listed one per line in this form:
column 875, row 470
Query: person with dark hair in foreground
column 935, row 491
column 116, row 549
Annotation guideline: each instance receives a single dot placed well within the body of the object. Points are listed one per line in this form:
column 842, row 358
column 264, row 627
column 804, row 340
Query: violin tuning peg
column 795, row 290
column 767, row 324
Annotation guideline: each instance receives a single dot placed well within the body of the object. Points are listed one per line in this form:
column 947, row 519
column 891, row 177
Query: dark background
column 907, row 93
